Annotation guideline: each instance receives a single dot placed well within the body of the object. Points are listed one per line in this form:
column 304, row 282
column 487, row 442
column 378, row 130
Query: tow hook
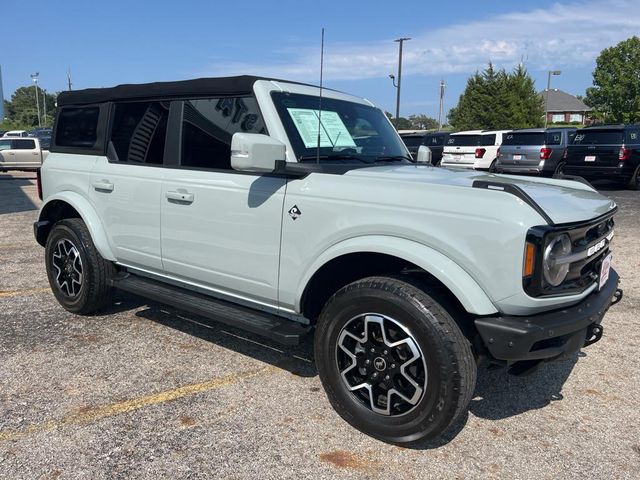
column 616, row 296
column 594, row 333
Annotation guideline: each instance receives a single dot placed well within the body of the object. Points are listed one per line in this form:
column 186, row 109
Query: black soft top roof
column 220, row 86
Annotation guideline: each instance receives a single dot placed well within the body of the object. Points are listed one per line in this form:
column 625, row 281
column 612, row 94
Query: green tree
column 495, row 99
column 422, row 122
column 22, row 109
column 615, row 95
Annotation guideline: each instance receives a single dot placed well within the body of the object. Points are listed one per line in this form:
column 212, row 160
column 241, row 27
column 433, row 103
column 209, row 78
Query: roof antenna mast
column 320, row 98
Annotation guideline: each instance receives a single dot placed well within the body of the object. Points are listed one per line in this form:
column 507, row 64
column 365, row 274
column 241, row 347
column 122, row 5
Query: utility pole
column 34, row 77
column 546, row 99
column 440, row 111
column 69, row 78
column 400, row 42
column 1, row 98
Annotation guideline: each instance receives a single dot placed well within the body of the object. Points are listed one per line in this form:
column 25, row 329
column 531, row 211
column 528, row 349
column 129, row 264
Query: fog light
column 555, row 273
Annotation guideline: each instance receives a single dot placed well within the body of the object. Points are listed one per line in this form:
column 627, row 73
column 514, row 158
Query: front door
column 220, row 228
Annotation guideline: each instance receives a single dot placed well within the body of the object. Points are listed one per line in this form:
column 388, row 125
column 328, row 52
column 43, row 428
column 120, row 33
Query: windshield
column 464, row 140
column 348, row 130
column 599, row 137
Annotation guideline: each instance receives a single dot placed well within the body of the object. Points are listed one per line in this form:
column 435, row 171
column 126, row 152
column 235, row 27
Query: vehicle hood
column 564, row 201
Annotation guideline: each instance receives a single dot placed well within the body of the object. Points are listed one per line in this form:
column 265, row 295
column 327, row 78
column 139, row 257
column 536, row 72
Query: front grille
column 582, row 272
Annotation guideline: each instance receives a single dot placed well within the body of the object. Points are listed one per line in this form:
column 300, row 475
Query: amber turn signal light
column 529, row 259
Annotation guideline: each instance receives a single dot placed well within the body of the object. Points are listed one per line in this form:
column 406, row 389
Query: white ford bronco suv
column 262, row 205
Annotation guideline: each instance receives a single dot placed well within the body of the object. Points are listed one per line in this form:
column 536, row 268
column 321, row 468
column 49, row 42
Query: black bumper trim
column 41, row 231
column 553, row 334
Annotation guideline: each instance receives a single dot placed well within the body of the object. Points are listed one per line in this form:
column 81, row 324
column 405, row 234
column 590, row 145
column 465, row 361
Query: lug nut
column 386, row 352
column 387, row 377
column 373, row 350
column 367, row 362
column 375, row 374
column 393, row 365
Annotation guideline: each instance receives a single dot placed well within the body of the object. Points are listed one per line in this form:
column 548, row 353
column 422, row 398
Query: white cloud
column 563, row 35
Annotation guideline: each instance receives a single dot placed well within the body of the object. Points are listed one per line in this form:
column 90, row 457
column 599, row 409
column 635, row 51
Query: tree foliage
column 22, row 111
column 413, row 122
column 496, row 99
column 615, row 95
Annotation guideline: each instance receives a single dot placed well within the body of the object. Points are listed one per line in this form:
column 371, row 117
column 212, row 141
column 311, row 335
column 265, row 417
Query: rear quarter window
column 633, row 137
column 23, row 144
column 487, row 140
column 77, row 127
column 553, row 138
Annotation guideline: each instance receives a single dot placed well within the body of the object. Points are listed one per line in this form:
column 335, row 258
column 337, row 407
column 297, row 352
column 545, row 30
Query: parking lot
column 144, row 391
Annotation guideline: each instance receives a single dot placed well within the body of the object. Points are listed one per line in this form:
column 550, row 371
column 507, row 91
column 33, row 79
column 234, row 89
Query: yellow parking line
column 97, row 413
column 18, row 293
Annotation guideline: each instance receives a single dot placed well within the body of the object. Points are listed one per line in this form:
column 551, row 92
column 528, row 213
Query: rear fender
column 90, row 218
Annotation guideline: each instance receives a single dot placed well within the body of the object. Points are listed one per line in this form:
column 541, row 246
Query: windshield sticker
column 333, row 132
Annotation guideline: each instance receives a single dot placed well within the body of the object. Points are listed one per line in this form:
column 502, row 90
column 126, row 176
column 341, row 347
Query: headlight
column 554, row 273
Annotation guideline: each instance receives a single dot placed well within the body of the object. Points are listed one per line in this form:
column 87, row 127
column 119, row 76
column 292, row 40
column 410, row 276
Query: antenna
column 320, row 99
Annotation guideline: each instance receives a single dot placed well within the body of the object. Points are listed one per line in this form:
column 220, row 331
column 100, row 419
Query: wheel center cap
column 380, row 364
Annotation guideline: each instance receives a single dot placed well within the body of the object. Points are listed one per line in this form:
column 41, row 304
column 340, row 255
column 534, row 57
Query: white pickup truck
column 21, row 153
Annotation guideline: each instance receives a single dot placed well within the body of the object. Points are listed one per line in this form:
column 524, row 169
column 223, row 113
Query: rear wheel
column 78, row 275
column 492, row 168
column 634, row 182
column 559, row 169
column 393, row 362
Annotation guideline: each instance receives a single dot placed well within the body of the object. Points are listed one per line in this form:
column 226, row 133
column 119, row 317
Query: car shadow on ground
column 13, row 199
column 297, row 360
column 498, row 395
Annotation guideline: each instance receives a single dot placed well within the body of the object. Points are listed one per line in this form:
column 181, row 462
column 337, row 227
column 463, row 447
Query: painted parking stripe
column 98, row 413
column 19, row 293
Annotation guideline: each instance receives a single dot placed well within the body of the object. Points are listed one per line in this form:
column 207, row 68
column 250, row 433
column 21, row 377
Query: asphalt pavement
column 145, row 391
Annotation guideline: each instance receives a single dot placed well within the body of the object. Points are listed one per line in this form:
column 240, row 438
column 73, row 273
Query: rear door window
column 412, row 141
column 523, row 138
column 599, row 137
column 553, row 138
column 139, row 131
column 486, row 140
column 463, row 140
column 633, row 137
column 23, row 144
column 77, row 127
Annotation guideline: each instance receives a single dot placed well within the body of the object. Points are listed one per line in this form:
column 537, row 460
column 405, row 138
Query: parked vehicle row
column 605, row 151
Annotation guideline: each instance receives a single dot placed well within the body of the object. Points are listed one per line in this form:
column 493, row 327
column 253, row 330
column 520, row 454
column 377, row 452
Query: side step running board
column 270, row 326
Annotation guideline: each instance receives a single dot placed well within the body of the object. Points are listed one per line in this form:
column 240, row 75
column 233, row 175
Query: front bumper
column 549, row 335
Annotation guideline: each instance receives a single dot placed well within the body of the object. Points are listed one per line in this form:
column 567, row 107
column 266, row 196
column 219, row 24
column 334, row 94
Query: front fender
column 88, row 215
column 455, row 278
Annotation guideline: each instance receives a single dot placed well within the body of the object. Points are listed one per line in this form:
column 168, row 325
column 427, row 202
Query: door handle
column 103, row 185
column 180, row 195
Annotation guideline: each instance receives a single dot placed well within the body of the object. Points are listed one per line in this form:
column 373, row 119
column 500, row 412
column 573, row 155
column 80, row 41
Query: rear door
column 125, row 186
column 26, row 153
column 597, row 148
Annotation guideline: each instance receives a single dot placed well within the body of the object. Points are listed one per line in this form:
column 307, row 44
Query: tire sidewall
column 62, row 230
column 432, row 414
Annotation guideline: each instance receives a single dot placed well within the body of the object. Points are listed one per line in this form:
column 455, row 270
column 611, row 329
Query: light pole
column 546, row 100
column 34, row 77
column 442, row 85
column 399, row 78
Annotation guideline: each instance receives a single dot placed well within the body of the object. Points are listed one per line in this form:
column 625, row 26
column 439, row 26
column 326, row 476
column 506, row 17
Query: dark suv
column 534, row 150
column 606, row 151
column 434, row 140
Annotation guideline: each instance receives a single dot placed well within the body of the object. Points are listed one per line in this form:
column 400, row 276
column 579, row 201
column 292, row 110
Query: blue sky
column 130, row 42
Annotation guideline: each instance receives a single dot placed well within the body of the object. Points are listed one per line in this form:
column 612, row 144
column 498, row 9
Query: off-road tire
column 95, row 291
column 450, row 363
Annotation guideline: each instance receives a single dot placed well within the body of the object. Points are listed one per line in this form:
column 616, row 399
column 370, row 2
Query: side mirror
column 424, row 154
column 255, row 152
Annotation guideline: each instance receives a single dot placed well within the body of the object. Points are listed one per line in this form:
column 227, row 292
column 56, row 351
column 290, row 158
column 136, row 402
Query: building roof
column 560, row 101
column 221, row 86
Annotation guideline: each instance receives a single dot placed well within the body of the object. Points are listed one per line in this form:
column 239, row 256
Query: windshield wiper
column 334, row 156
column 393, row 158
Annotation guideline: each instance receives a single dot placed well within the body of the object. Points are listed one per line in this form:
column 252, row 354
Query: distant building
column 563, row 107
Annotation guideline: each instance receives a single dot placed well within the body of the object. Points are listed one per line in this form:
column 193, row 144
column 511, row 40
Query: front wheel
column 393, row 362
column 78, row 275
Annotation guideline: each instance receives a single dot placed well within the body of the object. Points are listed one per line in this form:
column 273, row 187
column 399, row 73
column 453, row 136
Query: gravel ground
column 143, row 391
